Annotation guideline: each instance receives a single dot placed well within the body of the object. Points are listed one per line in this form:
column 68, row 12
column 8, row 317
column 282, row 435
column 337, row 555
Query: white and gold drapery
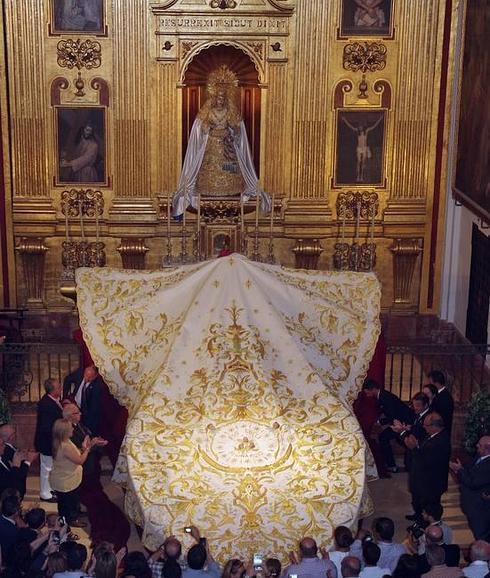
column 238, row 377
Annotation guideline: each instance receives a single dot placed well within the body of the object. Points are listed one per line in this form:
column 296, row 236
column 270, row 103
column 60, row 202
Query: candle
column 343, row 223
column 199, row 228
column 372, row 221
column 168, row 215
column 358, row 217
column 242, row 226
column 80, row 208
column 256, row 213
column 272, row 213
column 185, row 209
column 97, row 225
column 67, row 234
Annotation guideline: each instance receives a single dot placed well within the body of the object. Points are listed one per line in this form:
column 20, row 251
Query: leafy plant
column 477, row 420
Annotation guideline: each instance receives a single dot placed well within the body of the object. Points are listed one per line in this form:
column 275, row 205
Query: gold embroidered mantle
column 238, row 378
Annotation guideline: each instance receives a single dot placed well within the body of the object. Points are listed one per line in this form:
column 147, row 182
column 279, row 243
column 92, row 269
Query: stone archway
column 194, row 88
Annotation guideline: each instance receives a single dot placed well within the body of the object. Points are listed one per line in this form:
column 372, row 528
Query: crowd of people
column 38, row 544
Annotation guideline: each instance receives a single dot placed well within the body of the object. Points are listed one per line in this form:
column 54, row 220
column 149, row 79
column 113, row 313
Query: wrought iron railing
column 466, row 366
column 24, row 367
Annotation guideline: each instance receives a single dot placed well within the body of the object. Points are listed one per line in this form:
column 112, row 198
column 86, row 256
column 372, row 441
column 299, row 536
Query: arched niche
column 194, row 91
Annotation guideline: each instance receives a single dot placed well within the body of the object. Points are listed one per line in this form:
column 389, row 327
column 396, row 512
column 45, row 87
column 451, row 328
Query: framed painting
column 472, row 182
column 360, row 148
column 71, row 16
column 366, row 18
column 81, row 145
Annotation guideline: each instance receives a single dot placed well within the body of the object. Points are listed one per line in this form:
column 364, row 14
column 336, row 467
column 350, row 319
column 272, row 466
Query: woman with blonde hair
column 66, row 475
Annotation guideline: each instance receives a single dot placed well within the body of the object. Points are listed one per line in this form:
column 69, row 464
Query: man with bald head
column 310, row 564
column 479, row 556
column 350, row 567
column 434, row 536
column 474, row 485
column 429, row 465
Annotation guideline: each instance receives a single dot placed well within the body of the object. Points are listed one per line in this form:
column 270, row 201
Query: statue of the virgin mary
column 218, row 162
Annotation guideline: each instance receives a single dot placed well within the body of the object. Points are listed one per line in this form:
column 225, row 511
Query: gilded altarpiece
column 134, row 68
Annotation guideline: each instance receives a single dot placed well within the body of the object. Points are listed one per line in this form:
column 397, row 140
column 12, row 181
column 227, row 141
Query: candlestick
column 256, row 240
column 242, row 227
column 199, row 228
column 343, row 223
column 67, row 236
column 272, row 214
column 80, row 208
column 372, row 221
column 358, row 218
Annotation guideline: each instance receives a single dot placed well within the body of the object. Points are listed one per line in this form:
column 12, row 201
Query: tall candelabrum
column 356, row 210
column 227, row 214
column 80, row 207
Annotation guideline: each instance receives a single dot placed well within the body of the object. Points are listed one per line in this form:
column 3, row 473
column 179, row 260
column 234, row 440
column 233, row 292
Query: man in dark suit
column 14, row 464
column 392, row 408
column 474, row 480
column 48, row 411
column 429, row 466
column 443, row 403
column 84, row 387
column 8, row 526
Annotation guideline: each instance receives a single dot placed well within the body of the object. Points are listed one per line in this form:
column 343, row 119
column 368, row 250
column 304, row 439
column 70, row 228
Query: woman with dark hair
column 272, row 568
column 430, row 391
column 105, row 565
column 234, row 568
column 407, row 567
column 136, row 566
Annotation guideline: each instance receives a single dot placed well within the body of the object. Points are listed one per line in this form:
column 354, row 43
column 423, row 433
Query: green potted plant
column 477, row 420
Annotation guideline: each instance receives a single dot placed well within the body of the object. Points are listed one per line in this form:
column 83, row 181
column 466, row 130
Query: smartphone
column 293, row 576
column 258, row 561
column 187, row 530
column 56, row 537
column 62, row 520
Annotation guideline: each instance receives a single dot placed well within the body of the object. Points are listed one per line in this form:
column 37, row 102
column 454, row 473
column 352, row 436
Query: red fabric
column 366, row 408
column 377, row 367
column 107, row 522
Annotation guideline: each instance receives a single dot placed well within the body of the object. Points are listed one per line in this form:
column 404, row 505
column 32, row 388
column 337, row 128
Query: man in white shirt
column 479, row 556
column 310, row 563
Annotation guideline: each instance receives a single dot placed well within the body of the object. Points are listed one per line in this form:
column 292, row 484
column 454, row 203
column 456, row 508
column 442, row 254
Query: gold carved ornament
column 364, row 56
column 79, row 53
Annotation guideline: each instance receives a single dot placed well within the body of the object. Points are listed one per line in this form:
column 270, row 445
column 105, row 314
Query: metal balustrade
column 25, row 366
column 466, row 367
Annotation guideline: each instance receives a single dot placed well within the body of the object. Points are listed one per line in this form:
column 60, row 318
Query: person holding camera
column 200, row 563
column 310, row 563
column 165, row 562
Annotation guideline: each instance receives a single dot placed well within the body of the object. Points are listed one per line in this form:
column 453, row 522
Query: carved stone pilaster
column 405, row 254
column 133, row 253
column 306, row 253
column 32, row 252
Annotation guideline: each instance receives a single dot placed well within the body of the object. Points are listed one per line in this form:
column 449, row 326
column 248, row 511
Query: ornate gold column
column 405, row 255
column 25, row 32
column 132, row 111
column 32, row 252
column 311, row 93
column 133, row 253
